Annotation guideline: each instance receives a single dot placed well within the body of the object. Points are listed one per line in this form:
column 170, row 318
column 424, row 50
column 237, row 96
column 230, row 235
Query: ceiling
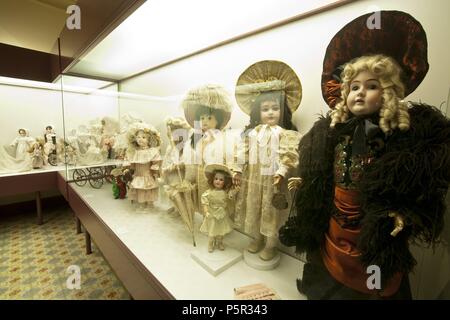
column 30, row 30
column 162, row 31
column 33, row 24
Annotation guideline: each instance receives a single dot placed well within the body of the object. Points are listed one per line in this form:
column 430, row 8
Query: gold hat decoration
column 265, row 76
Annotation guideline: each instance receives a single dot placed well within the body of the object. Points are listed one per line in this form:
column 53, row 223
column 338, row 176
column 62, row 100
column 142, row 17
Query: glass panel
column 31, row 106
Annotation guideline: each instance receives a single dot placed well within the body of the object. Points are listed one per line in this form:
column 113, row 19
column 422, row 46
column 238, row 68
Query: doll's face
column 219, row 180
column 365, row 93
column 22, row 133
column 208, row 122
column 142, row 139
column 270, row 112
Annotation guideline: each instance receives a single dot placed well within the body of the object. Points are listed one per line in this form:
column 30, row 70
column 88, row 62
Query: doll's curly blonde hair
column 154, row 137
column 393, row 112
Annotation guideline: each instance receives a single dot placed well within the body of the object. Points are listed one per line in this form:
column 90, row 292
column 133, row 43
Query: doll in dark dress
column 375, row 170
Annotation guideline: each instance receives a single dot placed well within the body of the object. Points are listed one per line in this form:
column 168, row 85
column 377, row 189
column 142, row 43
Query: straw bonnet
column 210, row 96
column 210, row 168
column 265, row 76
column 399, row 36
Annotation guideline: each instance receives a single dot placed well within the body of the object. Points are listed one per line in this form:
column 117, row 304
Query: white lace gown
column 22, row 145
column 9, row 164
column 267, row 151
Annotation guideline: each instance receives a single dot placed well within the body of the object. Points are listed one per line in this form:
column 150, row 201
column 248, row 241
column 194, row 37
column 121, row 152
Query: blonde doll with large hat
column 375, row 170
column 269, row 91
column 207, row 110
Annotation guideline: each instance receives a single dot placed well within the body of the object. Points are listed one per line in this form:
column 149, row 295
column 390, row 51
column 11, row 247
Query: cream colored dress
column 210, row 149
column 267, row 151
column 22, row 145
column 218, row 223
column 144, row 186
column 9, row 164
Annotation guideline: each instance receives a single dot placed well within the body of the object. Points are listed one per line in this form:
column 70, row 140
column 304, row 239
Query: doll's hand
column 207, row 214
column 237, row 177
column 277, row 179
column 399, row 223
column 294, row 183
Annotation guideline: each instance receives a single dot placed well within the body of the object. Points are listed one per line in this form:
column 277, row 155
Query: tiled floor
column 34, row 260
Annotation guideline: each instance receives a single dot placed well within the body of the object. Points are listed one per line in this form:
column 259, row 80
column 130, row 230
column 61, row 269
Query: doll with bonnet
column 21, row 144
column 269, row 91
column 216, row 205
column 143, row 156
column 375, row 170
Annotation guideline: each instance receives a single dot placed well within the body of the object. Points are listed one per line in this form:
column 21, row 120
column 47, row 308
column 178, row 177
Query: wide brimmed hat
column 210, row 168
column 266, row 76
column 398, row 36
column 210, row 96
column 145, row 127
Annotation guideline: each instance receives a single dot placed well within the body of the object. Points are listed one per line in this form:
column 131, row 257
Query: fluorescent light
column 163, row 30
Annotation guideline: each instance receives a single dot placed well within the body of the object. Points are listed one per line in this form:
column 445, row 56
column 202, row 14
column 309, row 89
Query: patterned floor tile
column 34, row 261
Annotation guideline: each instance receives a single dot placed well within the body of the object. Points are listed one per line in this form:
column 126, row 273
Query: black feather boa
column 411, row 177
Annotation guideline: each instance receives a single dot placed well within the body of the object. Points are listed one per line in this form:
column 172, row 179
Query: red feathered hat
column 392, row 33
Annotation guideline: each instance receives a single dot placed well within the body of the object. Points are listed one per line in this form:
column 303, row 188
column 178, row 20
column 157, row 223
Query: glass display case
column 127, row 150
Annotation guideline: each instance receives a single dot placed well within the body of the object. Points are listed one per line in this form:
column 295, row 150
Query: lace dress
column 218, row 223
column 266, row 151
column 144, row 186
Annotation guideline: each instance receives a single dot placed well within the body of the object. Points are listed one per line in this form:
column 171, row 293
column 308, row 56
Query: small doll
column 119, row 183
column 143, row 156
column 268, row 153
column 173, row 170
column 37, row 154
column 110, row 128
column 50, row 146
column 22, row 144
column 216, row 205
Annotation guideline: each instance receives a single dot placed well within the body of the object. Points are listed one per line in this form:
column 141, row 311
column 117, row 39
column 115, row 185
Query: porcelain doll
column 110, row 128
column 216, row 205
column 207, row 109
column 90, row 141
column 173, row 170
column 268, row 153
column 50, row 145
column 37, row 154
column 121, row 139
column 21, row 144
column 374, row 171
column 143, row 156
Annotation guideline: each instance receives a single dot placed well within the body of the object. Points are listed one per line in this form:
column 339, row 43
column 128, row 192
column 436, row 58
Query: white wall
column 31, row 108
column 302, row 45
column 35, row 108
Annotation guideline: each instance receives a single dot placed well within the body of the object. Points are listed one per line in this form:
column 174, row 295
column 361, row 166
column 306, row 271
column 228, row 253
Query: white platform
column 254, row 261
column 217, row 261
column 163, row 244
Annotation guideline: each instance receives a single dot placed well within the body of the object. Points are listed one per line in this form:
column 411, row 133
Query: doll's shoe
column 220, row 245
column 211, row 245
column 255, row 246
column 268, row 254
column 171, row 210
